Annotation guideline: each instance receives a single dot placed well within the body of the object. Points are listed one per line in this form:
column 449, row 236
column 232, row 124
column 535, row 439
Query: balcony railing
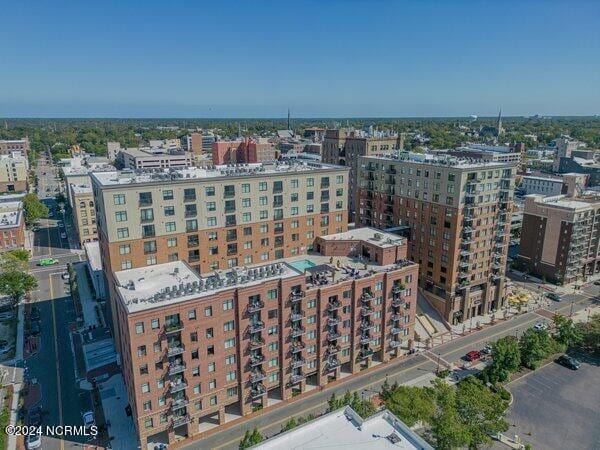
column 296, row 296
column 365, row 353
column 181, row 420
column 256, row 360
column 258, row 390
column 297, row 347
column 332, row 321
column 366, row 311
column 256, row 326
column 256, row 376
column 295, row 316
column 366, row 296
column 333, row 305
column 295, row 363
column 398, row 302
column 333, row 349
column 397, row 330
column 176, row 387
column 176, row 368
column 179, row 403
column 296, row 378
column 174, row 351
column 365, row 339
column 395, row 344
column 397, row 289
column 297, row 331
column 333, row 336
column 332, row 363
column 255, row 306
column 257, row 343
column 173, row 327
column 366, row 325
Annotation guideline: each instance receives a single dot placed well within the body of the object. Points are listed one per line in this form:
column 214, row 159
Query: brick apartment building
column 199, row 350
column 456, row 214
column 15, row 145
column 560, row 237
column 12, row 224
column 345, row 146
column 84, row 213
column 245, row 151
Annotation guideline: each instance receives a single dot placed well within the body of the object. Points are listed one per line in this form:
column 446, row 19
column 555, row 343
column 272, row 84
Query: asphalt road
column 270, row 422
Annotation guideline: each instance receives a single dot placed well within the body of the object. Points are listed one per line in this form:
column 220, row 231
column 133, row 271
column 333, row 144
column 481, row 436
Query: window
column 145, row 198
column 149, row 247
column 230, row 343
column 229, row 359
column 192, row 314
column 170, row 227
column 169, row 210
column 213, row 400
column 146, row 215
column 126, row 265
column 262, row 186
column 212, row 384
column 229, row 326
column 151, row 260
column 232, row 391
column 144, row 369
column 119, row 199
column 212, row 367
column 209, row 191
column 227, row 305
column 272, row 294
column 145, row 387
column 208, row 311
column 124, row 249
column 121, row 216
column 230, row 376
column 210, row 333
column 172, row 242
column 189, row 194
column 272, row 330
column 211, row 221
column 273, row 362
column 155, row 324
column 168, row 194
column 245, row 188
column 211, row 206
column 246, row 203
column 246, row 217
column 139, row 327
column 148, row 231
column 191, row 225
column 273, row 377
column 273, row 346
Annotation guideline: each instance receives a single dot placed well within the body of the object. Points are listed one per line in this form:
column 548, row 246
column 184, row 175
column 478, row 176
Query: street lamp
column 516, row 333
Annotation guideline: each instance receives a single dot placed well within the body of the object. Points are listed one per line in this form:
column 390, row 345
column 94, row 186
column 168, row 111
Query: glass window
column 119, row 199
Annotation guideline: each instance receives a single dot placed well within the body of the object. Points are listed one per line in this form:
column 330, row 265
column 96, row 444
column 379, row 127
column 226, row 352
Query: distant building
column 79, row 175
column 154, row 158
column 344, row 428
column 541, row 185
column 12, row 224
column 245, row 151
column 192, row 143
column 8, row 147
column 112, row 150
column 488, row 153
column 13, row 172
column 560, row 237
column 165, row 143
column 316, row 134
column 84, row 213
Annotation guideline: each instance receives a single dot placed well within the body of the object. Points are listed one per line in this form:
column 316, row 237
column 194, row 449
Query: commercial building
column 154, row 158
column 456, row 214
column 345, row 146
column 560, row 237
column 344, row 428
column 76, row 173
column 13, row 172
column 12, row 224
column 84, row 212
column 198, row 143
column 489, row 153
column 8, row 147
column 541, row 185
column 199, row 348
column 246, row 151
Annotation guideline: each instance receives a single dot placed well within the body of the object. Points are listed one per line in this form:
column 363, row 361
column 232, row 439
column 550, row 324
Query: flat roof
column 440, row 160
column 10, row 214
column 114, row 177
column 344, row 428
column 81, row 189
column 530, row 177
column 371, row 235
column 92, row 251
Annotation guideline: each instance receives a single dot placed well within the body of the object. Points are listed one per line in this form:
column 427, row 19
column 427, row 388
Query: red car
column 473, row 355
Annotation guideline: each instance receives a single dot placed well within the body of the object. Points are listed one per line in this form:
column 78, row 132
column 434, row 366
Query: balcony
column 297, row 347
column 297, row 331
column 295, row 316
column 366, row 296
column 396, row 317
column 297, row 362
column 255, row 306
column 398, row 288
column 174, row 351
column 395, row 344
column 332, row 321
column 366, row 325
column 258, row 390
column 257, row 375
column 365, row 353
column 365, row 340
column 176, row 387
column 333, row 336
column 256, row 326
column 256, row 360
column 332, row 363
column 176, row 368
column 257, row 343
column 397, row 330
column 333, row 305
column 366, row 311
column 333, row 349
column 296, row 378
column 173, row 327
column 397, row 302
column 296, row 296
column 179, row 403
column 181, row 420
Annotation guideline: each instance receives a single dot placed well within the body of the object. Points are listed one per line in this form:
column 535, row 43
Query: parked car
column 568, row 361
column 65, row 276
column 34, row 328
column 540, row 326
column 473, row 355
column 63, row 235
column 61, row 225
column 597, row 283
column 34, row 417
column 553, row 296
column 88, row 419
column 33, row 441
column 487, row 350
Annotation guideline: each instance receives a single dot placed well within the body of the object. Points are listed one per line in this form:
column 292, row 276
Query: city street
column 270, row 421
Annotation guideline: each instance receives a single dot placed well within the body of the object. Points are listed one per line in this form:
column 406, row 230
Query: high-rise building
column 13, row 172
column 344, row 147
column 84, row 213
column 217, row 218
column 196, row 346
column 560, row 237
column 456, row 214
column 193, row 143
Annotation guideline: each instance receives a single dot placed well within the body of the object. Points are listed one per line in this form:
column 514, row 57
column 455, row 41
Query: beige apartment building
column 84, row 213
column 14, row 145
column 200, row 350
column 345, row 146
column 154, row 158
column 560, row 237
column 13, row 173
column 456, row 214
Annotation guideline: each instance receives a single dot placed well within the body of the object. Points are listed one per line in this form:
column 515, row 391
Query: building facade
column 13, row 172
column 541, row 185
column 12, row 225
column 196, row 347
column 456, row 214
column 7, row 147
column 344, row 147
column 154, row 158
column 247, row 151
column 560, row 237
column 84, row 212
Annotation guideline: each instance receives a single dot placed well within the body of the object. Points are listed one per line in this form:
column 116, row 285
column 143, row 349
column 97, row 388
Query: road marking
column 49, row 242
column 58, row 388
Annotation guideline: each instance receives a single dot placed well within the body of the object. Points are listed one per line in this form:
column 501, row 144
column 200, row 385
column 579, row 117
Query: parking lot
column 557, row 408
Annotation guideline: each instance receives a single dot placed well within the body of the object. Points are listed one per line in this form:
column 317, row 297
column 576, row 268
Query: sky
column 321, row 58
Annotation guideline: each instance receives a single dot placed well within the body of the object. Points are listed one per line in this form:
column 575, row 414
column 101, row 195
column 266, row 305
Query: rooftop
column 81, row 189
column 562, row 201
column 10, row 214
column 345, row 429
column 371, row 235
column 81, row 170
column 225, row 171
column 553, row 179
column 92, row 251
column 438, row 160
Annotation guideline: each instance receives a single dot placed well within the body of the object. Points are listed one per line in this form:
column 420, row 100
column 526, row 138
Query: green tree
column 34, row 209
column 411, row 404
column 481, row 411
column 590, row 334
column 290, row 424
column 251, row 438
column 14, row 260
column 535, row 347
column 566, row 331
column 16, row 284
column 447, row 429
column 364, row 407
column 506, row 358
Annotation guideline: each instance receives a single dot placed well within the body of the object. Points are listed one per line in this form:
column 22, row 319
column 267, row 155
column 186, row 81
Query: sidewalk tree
column 566, row 331
column 363, row 407
column 480, row 410
column 14, row 260
column 535, row 347
column 251, row 438
column 590, row 334
column 290, row 424
column 447, row 429
column 34, row 209
column 16, row 284
column 506, row 359
column 411, row 404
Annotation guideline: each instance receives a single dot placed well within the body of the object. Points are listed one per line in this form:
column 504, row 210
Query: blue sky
column 319, row 58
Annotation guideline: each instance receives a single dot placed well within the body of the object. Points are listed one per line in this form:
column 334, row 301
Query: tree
column 411, row 404
column 14, row 260
column 566, row 331
column 506, row 358
column 251, row 438
column 535, row 347
column 290, row 424
column 363, row 408
column 590, row 334
column 34, row 209
column 16, row 284
column 481, row 411
column 447, row 429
